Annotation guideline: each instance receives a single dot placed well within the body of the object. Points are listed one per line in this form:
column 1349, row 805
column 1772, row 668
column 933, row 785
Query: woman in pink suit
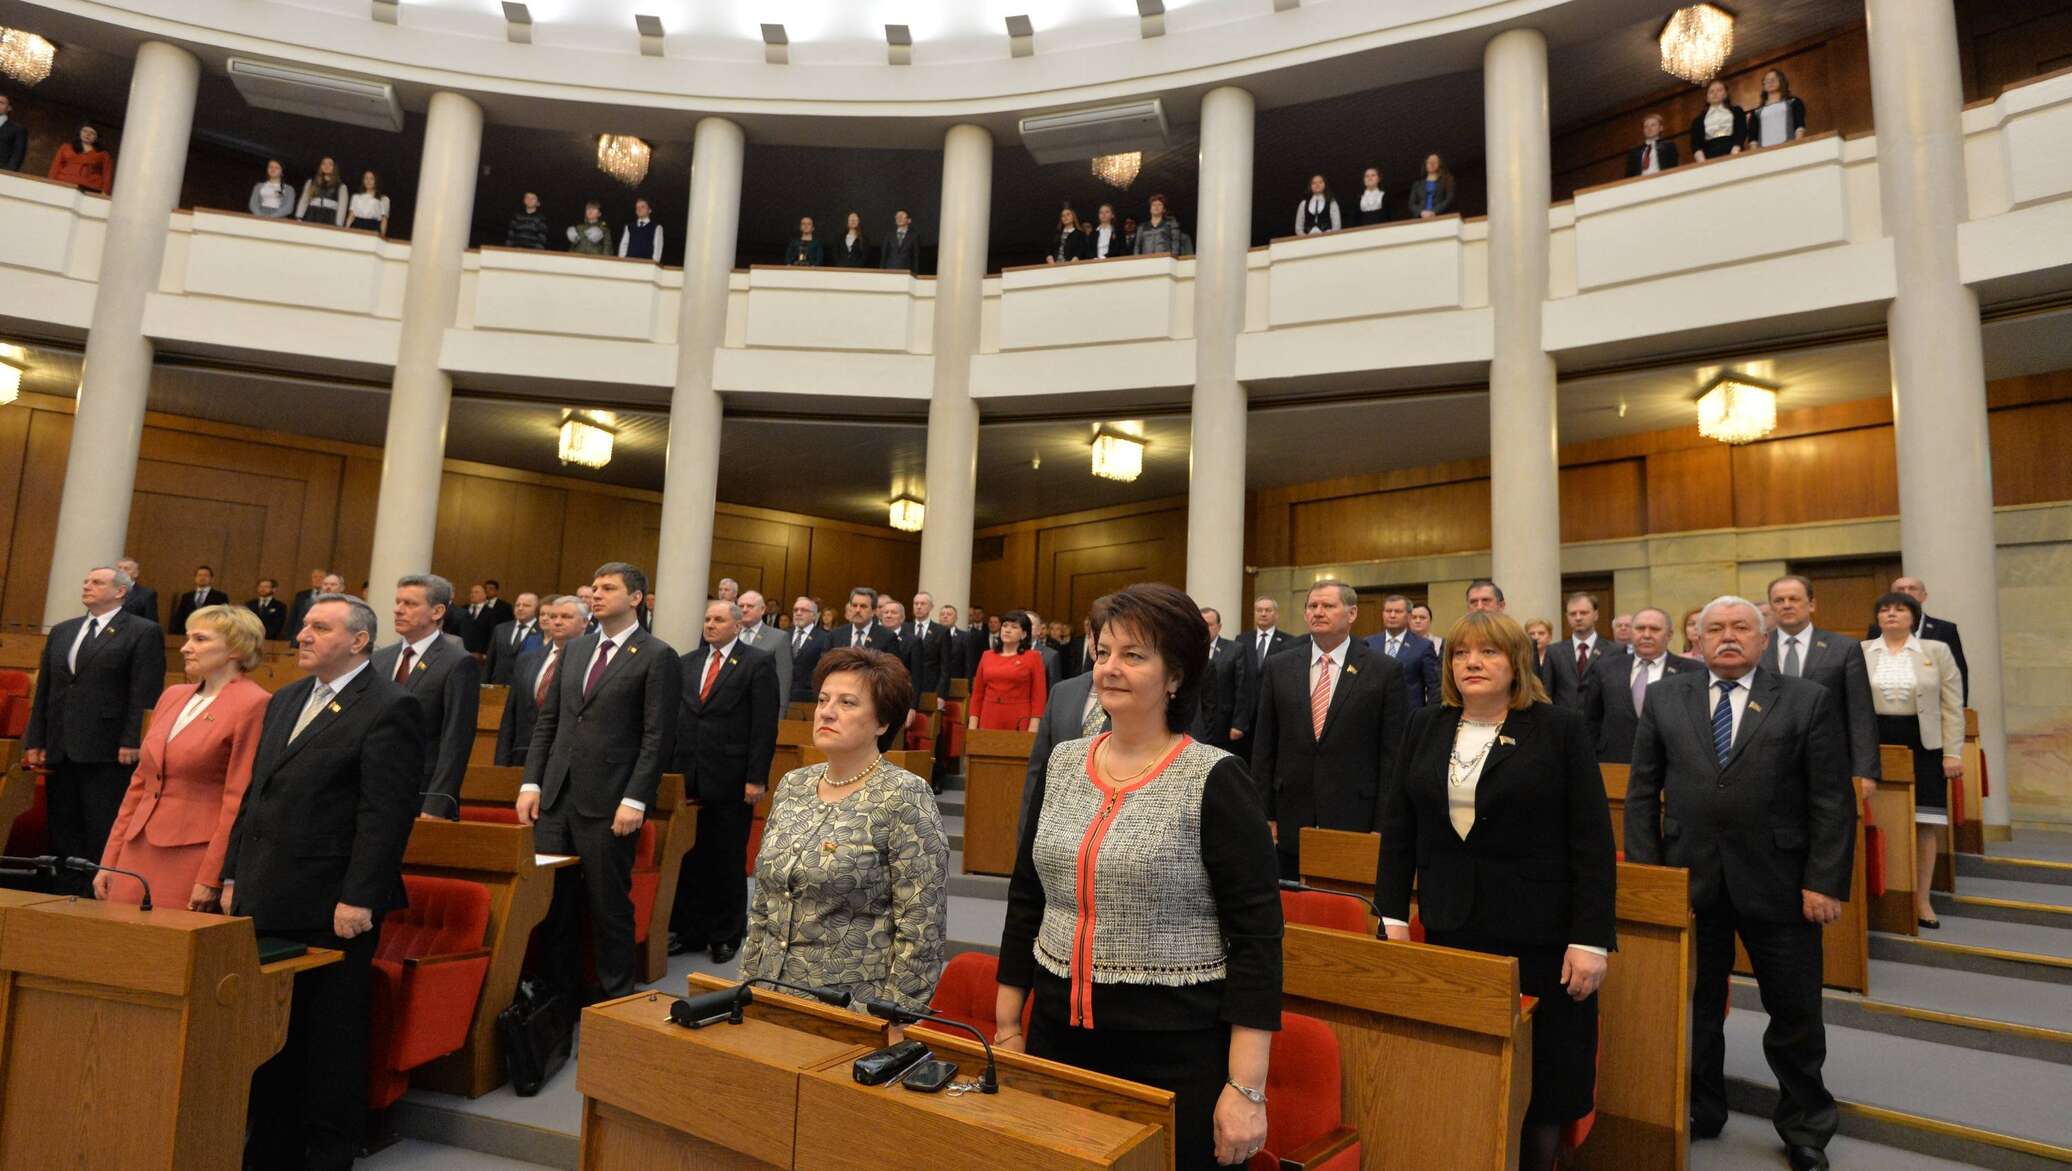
column 195, row 762
column 1008, row 692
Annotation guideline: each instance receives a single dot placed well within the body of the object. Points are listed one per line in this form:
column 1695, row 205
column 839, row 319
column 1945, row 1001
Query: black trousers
column 1786, row 959
column 712, row 896
column 599, row 885
column 309, row 1101
column 1191, row 1063
column 84, row 801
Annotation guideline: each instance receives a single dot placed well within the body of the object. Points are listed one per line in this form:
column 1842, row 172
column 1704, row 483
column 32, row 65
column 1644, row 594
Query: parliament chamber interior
column 1407, row 559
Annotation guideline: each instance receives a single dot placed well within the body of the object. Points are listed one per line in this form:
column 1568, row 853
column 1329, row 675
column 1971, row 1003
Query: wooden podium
column 776, row 1092
column 128, row 1038
column 996, row 769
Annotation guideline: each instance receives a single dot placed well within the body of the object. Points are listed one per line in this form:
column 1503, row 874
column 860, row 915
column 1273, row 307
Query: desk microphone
column 1292, row 884
column 988, row 1082
column 82, row 866
column 45, row 866
column 447, row 797
column 695, row 1012
column 833, row 996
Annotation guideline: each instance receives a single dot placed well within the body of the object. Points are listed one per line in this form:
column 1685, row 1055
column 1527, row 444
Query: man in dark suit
column 532, row 674
column 1331, row 714
column 726, row 734
column 930, row 642
column 1799, row 648
column 273, row 617
column 1569, row 661
column 1078, row 658
column 1412, row 651
column 1655, row 153
column 141, row 600
column 806, row 642
column 14, row 140
column 1071, row 712
column 1615, row 692
column 320, row 582
column 902, row 248
column 204, row 593
column 1053, row 669
column 316, row 856
column 1941, row 630
column 1738, row 778
column 496, row 610
column 757, row 632
column 439, row 671
column 513, row 638
column 473, row 623
column 1259, row 644
column 98, row 676
column 862, row 629
column 1219, row 698
column 604, row 735
column 973, row 641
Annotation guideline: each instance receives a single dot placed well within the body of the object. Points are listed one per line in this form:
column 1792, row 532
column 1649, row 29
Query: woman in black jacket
column 1497, row 809
column 1721, row 129
column 1071, row 244
column 804, row 251
column 851, row 250
column 1432, row 194
column 1781, row 118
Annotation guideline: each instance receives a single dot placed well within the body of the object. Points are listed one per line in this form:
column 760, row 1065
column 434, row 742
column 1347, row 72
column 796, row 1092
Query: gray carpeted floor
column 2049, row 893
column 2050, row 941
column 2049, row 845
column 410, row 1155
column 1998, row 998
column 1750, row 1143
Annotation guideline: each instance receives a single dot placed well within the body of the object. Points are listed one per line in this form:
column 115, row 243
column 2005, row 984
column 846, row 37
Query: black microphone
column 833, row 996
column 82, row 866
column 713, row 1007
column 45, row 866
column 1292, row 884
column 988, row 1082
column 448, row 797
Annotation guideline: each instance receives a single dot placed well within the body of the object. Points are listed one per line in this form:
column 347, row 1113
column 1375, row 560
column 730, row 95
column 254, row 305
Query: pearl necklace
column 867, row 770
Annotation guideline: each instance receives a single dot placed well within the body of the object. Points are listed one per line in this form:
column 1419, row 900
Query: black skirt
column 1564, row 1031
column 1931, row 788
column 314, row 214
column 364, row 224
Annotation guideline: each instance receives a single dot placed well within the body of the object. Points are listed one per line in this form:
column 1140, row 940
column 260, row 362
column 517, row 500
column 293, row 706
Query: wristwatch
column 1255, row 1097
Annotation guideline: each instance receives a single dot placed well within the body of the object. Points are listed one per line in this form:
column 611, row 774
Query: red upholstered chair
column 15, row 699
column 480, row 811
column 755, row 842
column 965, row 993
column 30, row 836
column 428, row 970
column 647, row 881
column 953, row 729
column 1304, row 1130
column 1320, row 910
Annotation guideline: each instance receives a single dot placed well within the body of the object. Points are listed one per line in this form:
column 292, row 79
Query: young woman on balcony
column 83, row 163
column 1318, row 211
column 272, row 198
column 1432, row 195
column 1723, row 127
column 369, row 209
column 1372, row 207
column 1781, row 118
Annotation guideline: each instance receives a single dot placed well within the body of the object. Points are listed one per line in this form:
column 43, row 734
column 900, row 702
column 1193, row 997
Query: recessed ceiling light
column 1021, row 37
column 650, row 34
column 517, row 23
column 776, row 46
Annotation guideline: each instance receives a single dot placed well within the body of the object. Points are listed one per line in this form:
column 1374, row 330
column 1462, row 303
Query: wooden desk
column 489, row 716
column 1971, row 835
column 1644, row 1006
column 794, row 736
column 996, row 769
column 1892, row 807
column 501, row 858
column 179, row 997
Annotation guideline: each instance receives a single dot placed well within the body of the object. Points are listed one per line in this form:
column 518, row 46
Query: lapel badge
column 733, row 662
column 107, row 630
column 827, row 846
column 1754, row 706
column 1351, row 670
column 1821, row 645
column 632, row 650
column 1506, row 741
column 335, row 709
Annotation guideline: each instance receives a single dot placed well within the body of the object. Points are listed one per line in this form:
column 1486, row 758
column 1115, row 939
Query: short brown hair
column 885, row 678
column 1172, row 623
column 1485, row 628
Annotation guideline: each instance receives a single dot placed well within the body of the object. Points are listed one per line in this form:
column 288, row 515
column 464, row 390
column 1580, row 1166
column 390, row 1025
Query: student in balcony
column 1372, row 207
column 369, row 209
column 83, row 163
column 1654, row 154
column 592, row 237
column 14, row 141
column 642, row 239
column 528, row 228
column 852, row 250
column 1071, row 243
column 804, row 251
column 272, row 198
column 323, row 196
column 1781, row 118
column 1107, row 239
column 1723, row 127
column 1129, row 235
column 1318, row 211
column 1161, row 233
column 1432, row 194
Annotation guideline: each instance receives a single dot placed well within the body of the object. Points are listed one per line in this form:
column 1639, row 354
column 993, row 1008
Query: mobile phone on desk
column 926, row 1077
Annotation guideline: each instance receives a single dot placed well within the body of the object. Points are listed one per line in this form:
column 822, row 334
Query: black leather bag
column 537, row 1032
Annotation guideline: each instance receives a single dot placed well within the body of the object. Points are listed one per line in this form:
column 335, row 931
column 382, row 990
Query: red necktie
column 1582, row 657
column 403, row 665
column 604, row 654
column 547, row 673
column 712, row 662
column 1647, row 156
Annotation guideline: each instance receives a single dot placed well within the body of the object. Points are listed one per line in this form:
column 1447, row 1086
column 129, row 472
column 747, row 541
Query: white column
column 108, row 423
column 1524, row 480
column 1938, row 371
column 1216, row 436
column 690, row 485
column 406, row 513
column 960, row 274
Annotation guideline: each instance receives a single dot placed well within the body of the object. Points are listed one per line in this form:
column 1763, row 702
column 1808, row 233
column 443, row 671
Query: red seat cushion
column 30, row 836
column 1321, row 910
column 1302, row 1090
column 423, row 1012
column 966, row 992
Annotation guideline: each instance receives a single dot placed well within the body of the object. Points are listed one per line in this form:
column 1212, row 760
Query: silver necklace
column 1458, row 771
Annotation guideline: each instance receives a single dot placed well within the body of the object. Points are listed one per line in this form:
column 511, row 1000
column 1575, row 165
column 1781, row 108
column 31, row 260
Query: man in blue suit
column 1412, row 651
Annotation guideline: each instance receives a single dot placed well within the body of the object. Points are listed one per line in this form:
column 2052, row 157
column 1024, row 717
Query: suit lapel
column 1762, row 696
column 1699, row 707
column 1516, row 728
column 422, row 667
column 634, row 638
column 325, row 718
column 92, row 646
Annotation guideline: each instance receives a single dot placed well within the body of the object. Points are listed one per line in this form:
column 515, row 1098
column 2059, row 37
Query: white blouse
column 368, row 207
column 272, row 195
column 1773, row 123
column 1893, row 676
column 1471, row 745
column 1370, row 199
column 196, row 705
column 1719, row 122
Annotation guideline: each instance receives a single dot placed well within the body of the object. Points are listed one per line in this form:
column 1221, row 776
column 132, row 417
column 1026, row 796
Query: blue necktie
column 1723, row 721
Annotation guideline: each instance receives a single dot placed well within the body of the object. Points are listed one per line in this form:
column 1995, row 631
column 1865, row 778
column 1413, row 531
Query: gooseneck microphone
column 988, row 1082
column 833, row 996
column 1292, row 884
column 82, row 866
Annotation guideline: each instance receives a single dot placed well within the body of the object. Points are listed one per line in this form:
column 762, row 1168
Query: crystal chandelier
column 907, row 514
column 1118, row 171
column 585, row 443
column 1696, row 42
column 1734, row 411
column 623, row 157
column 24, row 56
column 11, row 367
column 1118, row 452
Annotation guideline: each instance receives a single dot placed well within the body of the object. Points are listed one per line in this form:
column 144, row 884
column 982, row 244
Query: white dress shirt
column 1652, row 668
column 1102, row 236
column 1650, row 156
column 1337, row 656
column 101, row 620
column 1262, row 641
column 1370, row 199
column 1803, row 640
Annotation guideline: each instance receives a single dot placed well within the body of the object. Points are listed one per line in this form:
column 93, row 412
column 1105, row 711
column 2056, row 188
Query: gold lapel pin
column 632, row 650
column 1351, row 670
column 1506, row 741
column 420, row 665
column 733, row 662
column 335, row 709
column 1754, row 706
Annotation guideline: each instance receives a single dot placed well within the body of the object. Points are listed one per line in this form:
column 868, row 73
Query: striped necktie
column 1723, row 721
column 1320, row 697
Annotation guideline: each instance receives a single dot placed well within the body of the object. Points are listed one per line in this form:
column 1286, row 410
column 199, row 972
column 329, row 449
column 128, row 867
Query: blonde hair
column 239, row 629
column 1499, row 632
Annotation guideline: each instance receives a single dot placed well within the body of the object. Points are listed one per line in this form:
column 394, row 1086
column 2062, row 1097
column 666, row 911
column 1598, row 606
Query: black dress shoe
column 1706, row 1129
column 1806, row 1158
column 723, row 952
column 679, row 946
column 1931, row 924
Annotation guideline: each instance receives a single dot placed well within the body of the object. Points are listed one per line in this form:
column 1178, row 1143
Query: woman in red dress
column 1009, row 690
column 194, row 765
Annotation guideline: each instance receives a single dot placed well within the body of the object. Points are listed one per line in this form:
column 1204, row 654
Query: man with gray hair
column 98, row 676
column 437, row 669
column 141, row 600
column 806, row 644
column 757, row 632
column 1738, row 778
column 1615, row 691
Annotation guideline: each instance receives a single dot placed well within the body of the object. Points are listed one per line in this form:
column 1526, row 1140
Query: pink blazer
column 187, row 793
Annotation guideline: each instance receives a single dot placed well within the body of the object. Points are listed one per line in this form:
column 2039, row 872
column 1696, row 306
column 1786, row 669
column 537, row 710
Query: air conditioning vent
column 1078, row 135
column 294, row 89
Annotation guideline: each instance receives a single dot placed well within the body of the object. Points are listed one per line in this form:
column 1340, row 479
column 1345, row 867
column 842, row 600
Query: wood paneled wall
column 254, row 504
column 1822, row 463
column 1058, row 565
